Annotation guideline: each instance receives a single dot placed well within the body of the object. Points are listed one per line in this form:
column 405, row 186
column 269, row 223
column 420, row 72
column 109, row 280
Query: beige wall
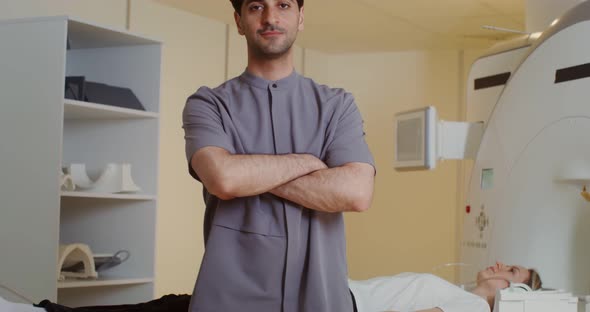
column 104, row 12
column 541, row 13
column 413, row 224
column 193, row 55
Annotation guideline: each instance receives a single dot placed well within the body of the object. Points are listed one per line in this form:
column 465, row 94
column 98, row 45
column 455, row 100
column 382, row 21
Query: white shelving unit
column 41, row 131
column 103, row 282
column 108, row 196
column 85, row 111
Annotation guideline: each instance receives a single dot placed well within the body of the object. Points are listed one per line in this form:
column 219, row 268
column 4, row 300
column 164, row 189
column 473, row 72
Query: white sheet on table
column 7, row 306
column 411, row 291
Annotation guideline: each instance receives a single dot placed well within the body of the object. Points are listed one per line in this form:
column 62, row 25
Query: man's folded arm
column 348, row 188
column 228, row 176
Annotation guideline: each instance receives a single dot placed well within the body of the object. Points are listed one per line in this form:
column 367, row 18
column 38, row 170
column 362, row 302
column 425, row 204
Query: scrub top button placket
column 277, row 112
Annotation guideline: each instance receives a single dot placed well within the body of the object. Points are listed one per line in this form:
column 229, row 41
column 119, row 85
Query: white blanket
column 411, row 292
column 7, row 306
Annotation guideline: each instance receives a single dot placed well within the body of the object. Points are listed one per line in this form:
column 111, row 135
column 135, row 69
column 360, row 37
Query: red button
column 468, row 209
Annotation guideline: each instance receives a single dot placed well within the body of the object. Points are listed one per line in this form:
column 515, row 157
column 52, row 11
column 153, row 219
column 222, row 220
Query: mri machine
column 526, row 201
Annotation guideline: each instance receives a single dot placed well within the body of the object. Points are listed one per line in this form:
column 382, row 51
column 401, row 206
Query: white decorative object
column 73, row 254
column 79, row 176
column 115, row 178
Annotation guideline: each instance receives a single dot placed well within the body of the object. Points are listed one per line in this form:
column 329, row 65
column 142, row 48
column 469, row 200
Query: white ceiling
column 390, row 25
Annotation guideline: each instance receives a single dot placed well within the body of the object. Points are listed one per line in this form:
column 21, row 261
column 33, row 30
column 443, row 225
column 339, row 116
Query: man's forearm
column 340, row 189
column 228, row 176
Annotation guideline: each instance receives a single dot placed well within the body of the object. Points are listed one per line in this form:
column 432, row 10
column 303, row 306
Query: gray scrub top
column 263, row 253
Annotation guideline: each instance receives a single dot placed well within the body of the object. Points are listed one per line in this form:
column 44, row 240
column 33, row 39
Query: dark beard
column 271, row 54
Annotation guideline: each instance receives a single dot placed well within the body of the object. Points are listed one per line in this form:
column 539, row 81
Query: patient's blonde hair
column 535, row 280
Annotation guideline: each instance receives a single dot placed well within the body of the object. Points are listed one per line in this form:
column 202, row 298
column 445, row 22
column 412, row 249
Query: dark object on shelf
column 77, row 88
column 101, row 262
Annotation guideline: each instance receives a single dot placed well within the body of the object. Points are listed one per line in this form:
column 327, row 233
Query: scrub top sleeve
column 203, row 125
column 348, row 143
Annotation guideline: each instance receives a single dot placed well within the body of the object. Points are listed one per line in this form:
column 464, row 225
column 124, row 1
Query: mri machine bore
column 526, row 200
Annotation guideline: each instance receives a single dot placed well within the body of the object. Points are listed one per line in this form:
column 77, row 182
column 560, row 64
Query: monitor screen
column 415, row 139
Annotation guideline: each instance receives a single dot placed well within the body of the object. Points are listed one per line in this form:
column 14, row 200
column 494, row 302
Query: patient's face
column 500, row 274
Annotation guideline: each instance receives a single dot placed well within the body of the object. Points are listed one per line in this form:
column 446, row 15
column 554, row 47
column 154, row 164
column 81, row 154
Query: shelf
column 85, row 35
column 84, row 110
column 102, row 282
column 579, row 181
column 108, row 196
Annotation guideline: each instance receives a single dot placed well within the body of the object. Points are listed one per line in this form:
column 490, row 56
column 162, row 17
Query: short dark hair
column 237, row 4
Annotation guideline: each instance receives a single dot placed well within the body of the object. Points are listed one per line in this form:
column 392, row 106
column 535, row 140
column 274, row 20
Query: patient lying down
column 428, row 293
column 403, row 292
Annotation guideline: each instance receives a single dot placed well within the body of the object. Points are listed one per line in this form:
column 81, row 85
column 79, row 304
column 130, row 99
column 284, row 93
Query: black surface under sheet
column 168, row 303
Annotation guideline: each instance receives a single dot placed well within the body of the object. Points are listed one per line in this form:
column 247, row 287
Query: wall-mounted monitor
column 415, row 139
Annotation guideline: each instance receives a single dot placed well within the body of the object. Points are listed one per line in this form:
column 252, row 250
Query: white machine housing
column 421, row 139
column 534, row 158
